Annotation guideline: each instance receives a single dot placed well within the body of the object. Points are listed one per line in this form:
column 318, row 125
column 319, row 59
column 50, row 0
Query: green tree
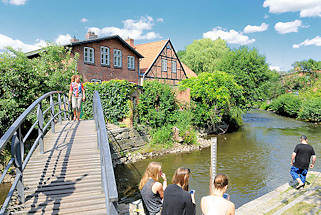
column 250, row 71
column 216, row 99
column 23, row 80
column 204, row 55
column 307, row 66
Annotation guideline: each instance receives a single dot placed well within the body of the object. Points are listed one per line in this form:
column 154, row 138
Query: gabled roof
column 188, row 71
column 107, row 38
column 151, row 52
column 36, row 52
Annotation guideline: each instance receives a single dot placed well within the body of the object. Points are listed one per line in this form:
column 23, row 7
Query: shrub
column 156, row 105
column 311, row 110
column 114, row 96
column 213, row 97
column 162, row 136
column 286, row 105
column 184, row 122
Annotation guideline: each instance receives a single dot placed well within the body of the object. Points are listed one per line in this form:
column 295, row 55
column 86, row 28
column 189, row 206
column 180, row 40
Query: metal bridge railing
column 107, row 171
column 14, row 135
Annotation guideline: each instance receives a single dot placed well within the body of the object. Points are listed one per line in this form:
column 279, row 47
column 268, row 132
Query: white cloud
column 6, row 41
column 307, row 8
column 83, row 20
column 231, row 36
column 134, row 29
column 315, row 41
column 160, row 20
column 276, row 68
column 253, row 28
column 63, row 39
column 288, row 27
column 15, row 2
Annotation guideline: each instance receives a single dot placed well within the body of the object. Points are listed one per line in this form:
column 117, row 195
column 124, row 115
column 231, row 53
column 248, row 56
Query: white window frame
column 174, row 68
column 89, row 55
column 131, row 62
column 104, row 56
column 117, row 58
column 164, row 65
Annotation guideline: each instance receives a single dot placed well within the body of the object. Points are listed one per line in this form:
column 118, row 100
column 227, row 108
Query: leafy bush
column 162, row 136
column 114, row 96
column 213, row 96
column 184, row 122
column 156, row 105
column 286, row 105
column 23, row 80
column 311, row 110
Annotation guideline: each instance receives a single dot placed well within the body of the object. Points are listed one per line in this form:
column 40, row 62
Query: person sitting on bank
column 76, row 95
column 177, row 199
column 301, row 157
column 151, row 189
column 215, row 203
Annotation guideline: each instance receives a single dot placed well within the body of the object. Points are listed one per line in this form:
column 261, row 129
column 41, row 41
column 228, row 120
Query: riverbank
column 146, row 153
column 286, row 200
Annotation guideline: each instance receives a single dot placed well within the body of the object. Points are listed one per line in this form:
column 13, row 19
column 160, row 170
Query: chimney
column 74, row 39
column 131, row 42
column 91, row 35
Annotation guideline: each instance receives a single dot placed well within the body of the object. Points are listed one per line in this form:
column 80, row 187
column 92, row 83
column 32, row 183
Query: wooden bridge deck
column 66, row 179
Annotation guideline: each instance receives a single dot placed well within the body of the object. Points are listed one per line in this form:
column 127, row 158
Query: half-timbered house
column 161, row 63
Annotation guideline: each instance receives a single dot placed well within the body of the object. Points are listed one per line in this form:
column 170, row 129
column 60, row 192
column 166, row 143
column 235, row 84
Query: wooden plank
column 68, row 171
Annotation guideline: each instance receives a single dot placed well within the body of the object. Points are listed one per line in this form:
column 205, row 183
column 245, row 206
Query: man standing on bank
column 301, row 157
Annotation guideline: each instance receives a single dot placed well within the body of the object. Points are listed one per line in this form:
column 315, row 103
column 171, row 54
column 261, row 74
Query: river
column 256, row 158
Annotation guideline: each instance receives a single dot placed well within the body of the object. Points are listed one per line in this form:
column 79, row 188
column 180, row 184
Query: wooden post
column 213, row 161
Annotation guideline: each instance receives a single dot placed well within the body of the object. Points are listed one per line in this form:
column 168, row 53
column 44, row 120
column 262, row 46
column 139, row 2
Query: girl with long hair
column 76, row 95
column 215, row 203
column 151, row 189
column 177, row 199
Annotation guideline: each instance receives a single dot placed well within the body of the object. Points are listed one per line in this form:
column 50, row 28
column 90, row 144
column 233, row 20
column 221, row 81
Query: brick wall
column 106, row 73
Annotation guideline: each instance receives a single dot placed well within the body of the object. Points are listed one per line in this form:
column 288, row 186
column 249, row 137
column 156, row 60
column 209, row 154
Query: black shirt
column 303, row 155
column 177, row 201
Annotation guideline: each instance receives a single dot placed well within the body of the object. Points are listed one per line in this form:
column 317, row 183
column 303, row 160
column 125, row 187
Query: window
column 117, row 58
column 174, row 66
column 164, row 65
column 89, row 56
column 104, row 55
column 131, row 62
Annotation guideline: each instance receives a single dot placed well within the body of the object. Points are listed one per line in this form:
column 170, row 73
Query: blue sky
column 283, row 30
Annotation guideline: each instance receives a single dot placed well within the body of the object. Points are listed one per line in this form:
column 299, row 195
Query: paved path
column 286, row 200
column 66, row 179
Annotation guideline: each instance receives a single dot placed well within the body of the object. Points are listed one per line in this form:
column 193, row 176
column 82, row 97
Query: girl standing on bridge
column 76, row 94
column 151, row 189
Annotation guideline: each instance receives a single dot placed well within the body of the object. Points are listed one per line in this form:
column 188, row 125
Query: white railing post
column 40, row 127
column 213, row 160
column 59, row 103
column 52, row 114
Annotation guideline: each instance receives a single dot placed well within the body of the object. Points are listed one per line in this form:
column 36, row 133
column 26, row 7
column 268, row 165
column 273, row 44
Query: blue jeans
column 298, row 173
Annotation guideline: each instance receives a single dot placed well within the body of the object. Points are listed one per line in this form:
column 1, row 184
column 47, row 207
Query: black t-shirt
column 177, row 201
column 303, row 155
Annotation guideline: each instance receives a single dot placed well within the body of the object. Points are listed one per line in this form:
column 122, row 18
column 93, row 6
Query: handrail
column 14, row 135
column 107, row 170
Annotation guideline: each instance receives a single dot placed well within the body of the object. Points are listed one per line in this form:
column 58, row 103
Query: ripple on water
column 256, row 158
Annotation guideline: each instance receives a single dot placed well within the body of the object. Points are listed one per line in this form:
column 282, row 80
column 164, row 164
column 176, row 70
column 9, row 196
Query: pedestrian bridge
column 68, row 169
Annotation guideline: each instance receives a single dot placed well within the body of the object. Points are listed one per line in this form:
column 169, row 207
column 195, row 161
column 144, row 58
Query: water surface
column 256, row 158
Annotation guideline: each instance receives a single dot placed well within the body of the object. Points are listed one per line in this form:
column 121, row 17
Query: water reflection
column 256, row 158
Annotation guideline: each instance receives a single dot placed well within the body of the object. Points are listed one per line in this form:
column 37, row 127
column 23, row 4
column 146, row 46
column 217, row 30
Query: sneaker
column 299, row 186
